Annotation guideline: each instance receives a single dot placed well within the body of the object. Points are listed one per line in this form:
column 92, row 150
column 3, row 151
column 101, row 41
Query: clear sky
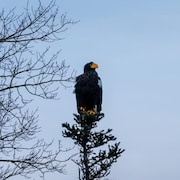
column 137, row 47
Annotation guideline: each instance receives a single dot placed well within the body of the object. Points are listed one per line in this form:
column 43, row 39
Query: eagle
column 88, row 90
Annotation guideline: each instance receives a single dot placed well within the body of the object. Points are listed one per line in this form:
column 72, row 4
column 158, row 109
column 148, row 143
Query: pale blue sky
column 137, row 47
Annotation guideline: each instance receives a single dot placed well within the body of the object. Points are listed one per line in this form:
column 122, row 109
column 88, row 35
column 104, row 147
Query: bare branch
column 39, row 158
column 24, row 74
column 33, row 25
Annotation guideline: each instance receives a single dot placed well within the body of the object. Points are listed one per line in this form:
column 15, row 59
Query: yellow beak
column 94, row 66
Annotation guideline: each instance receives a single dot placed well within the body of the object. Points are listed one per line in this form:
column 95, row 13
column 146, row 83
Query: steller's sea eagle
column 88, row 90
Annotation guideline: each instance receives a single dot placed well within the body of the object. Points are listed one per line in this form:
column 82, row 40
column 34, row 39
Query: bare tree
column 24, row 74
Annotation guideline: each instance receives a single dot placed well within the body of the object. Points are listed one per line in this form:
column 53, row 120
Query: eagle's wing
column 99, row 102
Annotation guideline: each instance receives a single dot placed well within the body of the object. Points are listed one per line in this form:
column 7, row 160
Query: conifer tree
column 94, row 163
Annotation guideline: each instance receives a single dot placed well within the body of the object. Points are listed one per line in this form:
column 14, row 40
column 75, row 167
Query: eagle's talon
column 82, row 109
column 91, row 112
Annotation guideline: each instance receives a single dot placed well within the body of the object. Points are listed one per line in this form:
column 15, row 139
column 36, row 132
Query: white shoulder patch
column 99, row 83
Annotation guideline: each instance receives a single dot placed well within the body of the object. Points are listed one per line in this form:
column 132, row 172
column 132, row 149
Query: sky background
column 137, row 47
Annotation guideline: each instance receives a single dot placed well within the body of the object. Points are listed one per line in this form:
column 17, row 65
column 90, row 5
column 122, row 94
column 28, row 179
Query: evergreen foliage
column 93, row 165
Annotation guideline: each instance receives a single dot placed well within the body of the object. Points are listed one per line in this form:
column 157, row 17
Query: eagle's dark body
column 88, row 90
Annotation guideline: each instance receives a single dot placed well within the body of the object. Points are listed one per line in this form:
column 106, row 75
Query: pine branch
column 93, row 165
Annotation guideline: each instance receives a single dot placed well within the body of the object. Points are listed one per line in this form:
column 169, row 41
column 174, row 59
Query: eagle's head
column 90, row 67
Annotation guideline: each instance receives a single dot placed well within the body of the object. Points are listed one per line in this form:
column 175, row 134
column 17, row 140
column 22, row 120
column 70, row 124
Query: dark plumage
column 88, row 90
